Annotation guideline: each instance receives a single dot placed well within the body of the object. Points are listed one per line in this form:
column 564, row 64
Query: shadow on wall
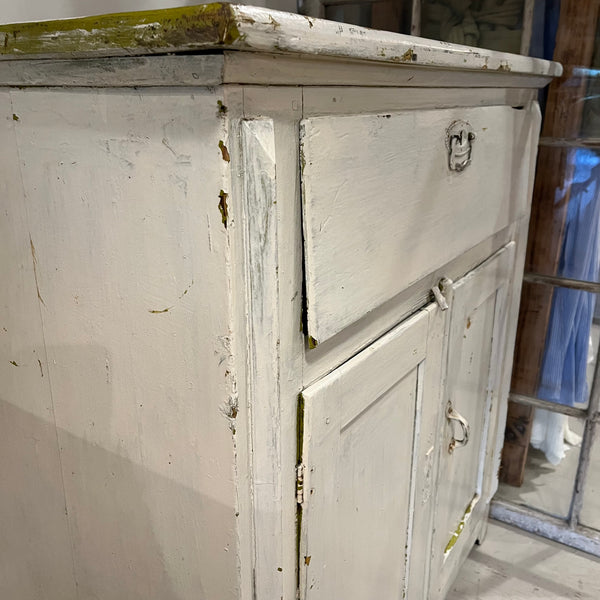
column 131, row 532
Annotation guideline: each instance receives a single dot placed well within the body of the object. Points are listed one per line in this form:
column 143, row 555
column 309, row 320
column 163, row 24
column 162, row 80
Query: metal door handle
column 453, row 415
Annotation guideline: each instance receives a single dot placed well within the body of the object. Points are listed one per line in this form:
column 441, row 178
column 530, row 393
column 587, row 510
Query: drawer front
column 382, row 206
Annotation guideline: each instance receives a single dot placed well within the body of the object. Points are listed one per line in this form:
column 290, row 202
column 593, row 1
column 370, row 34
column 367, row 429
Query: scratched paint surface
column 121, row 232
column 476, row 339
column 247, row 28
column 379, row 218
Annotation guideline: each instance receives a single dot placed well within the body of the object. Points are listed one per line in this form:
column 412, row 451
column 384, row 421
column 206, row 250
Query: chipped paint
column 223, row 207
column 230, row 411
column 219, row 26
column 221, row 108
column 408, row 56
column 13, row 363
column 461, row 526
column 160, row 311
column 312, row 342
column 224, row 151
column 16, row 117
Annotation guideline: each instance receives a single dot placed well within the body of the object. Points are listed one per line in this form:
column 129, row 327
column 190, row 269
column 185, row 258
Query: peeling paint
column 144, row 31
column 16, row 117
column 312, row 342
column 13, row 363
column 223, row 207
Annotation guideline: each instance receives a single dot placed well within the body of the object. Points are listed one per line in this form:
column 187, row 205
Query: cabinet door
column 475, row 351
column 367, row 447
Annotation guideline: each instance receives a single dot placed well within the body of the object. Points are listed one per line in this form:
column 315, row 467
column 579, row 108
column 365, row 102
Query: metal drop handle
column 452, row 415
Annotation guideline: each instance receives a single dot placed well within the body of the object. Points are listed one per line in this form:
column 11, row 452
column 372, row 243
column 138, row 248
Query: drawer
column 382, row 206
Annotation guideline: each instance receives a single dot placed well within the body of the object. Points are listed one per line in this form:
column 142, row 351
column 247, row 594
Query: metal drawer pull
column 453, row 415
column 459, row 141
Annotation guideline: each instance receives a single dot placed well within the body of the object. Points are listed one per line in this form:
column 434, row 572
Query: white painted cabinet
column 249, row 261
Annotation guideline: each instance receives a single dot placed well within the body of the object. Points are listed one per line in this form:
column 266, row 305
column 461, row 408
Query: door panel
column 475, row 346
column 362, row 447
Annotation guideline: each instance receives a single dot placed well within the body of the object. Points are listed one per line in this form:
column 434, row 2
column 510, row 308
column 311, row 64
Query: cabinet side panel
column 32, row 503
column 127, row 200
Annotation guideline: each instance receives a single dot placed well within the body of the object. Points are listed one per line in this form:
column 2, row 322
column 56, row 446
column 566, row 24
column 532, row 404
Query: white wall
column 37, row 10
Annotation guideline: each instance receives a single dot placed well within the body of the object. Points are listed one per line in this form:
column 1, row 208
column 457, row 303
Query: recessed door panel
column 475, row 348
column 361, row 447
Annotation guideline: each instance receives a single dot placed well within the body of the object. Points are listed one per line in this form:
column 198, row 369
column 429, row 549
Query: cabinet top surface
column 215, row 27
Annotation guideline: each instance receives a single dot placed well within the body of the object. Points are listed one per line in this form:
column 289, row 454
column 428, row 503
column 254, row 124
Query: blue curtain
column 564, row 366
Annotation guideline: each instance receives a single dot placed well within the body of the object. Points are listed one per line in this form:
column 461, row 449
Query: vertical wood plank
column 260, row 199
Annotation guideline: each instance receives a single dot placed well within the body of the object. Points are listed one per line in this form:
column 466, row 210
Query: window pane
column 482, row 23
column 390, row 15
column 557, row 344
column 551, row 465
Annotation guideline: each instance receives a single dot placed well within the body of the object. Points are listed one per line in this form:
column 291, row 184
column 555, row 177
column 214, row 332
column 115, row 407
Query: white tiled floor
column 514, row 565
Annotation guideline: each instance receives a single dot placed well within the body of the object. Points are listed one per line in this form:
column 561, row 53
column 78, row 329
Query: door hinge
column 300, row 483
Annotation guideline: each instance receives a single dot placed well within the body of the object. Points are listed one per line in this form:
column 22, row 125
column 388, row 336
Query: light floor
column 515, row 565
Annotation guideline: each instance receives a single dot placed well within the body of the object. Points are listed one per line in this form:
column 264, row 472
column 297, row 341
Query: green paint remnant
column 299, row 428
column 159, row 312
column 223, row 207
column 299, row 452
column 408, row 56
column 280, row 569
column 273, row 22
column 13, row 363
column 130, row 33
column 461, row 525
column 222, row 108
column 312, row 343
column 224, row 151
column 16, row 117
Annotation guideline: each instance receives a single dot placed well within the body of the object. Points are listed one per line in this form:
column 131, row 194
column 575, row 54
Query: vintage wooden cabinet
column 260, row 278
